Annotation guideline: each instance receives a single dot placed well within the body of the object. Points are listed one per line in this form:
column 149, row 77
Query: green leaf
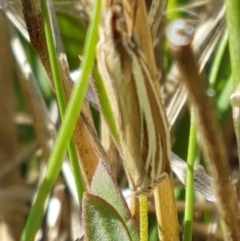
column 101, row 221
column 104, row 186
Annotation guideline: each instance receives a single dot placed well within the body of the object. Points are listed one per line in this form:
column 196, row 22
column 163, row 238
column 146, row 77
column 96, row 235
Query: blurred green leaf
column 73, row 33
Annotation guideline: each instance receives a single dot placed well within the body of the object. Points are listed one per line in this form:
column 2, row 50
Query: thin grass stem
column 66, row 130
column 233, row 23
column 217, row 60
column 143, row 218
column 60, row 95
column 189, row 198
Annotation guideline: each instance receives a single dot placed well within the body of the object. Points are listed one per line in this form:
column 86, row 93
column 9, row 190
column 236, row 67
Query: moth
column 143, row 138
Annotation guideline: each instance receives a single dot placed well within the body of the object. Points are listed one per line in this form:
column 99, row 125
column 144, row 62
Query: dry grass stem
column 8, row 131
column 212, row 141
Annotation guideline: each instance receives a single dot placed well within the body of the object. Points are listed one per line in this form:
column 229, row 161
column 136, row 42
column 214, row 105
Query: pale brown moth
column 144, row 141
column 128, row 70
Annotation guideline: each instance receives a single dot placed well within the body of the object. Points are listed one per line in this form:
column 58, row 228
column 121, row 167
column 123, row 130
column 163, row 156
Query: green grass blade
column 233, row 23
column 60, row 95
column 66, row 130
column 105, row 105
column 189, row 199
column 217, row 60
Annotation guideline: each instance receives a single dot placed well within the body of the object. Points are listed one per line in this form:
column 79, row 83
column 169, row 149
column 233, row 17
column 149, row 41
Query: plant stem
column 217, row 60
column 66, row 130
column 212, row 141
column 143, row 218
column 60, row 94
column 189, row 200
column 233, row 23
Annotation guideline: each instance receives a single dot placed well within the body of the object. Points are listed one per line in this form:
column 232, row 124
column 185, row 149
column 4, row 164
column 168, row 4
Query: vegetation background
column 30, row 117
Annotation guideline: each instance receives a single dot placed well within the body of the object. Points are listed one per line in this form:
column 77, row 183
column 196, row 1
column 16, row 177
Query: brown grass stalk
column 212, row 142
